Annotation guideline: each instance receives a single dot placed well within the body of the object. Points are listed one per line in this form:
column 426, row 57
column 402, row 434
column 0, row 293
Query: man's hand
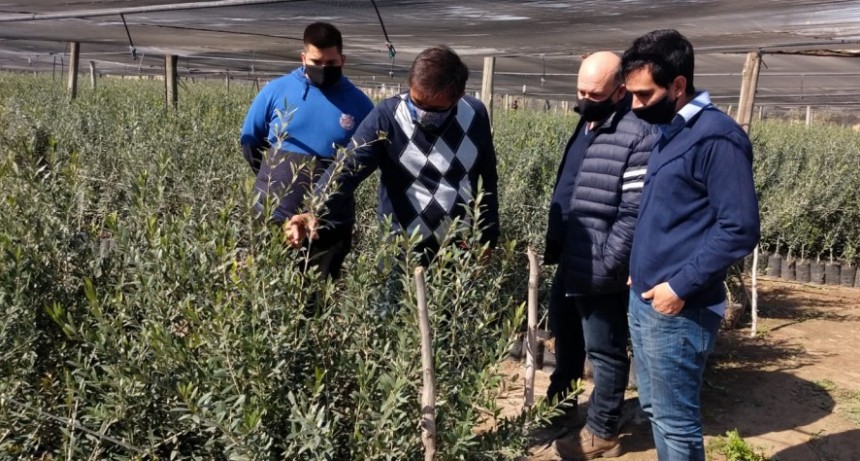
column 664, row 300
column 300, row 227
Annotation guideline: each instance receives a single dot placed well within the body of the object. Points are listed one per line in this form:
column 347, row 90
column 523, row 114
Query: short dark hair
column 665, row 53
column 437, row 70
column 323, row 35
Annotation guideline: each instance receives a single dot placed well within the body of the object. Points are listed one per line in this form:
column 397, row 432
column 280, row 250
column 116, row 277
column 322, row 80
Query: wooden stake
column 808, row 115
column 748, row 89
column 428, row 393
column 74, row 58
column 754, row 300
column 487, row 85
column 171, row 96
column 531, row 335
column 93, row 74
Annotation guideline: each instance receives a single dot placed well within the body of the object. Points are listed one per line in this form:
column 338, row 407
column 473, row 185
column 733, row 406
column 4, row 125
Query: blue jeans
column 596, row 326
column 670, row 354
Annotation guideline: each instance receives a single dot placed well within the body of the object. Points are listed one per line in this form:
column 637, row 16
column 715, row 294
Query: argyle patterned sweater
column 428, row 177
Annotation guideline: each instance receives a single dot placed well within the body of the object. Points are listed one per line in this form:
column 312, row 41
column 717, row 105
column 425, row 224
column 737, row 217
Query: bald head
column 599, row 75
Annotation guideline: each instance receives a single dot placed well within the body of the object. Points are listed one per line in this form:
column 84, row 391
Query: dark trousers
column 327, row 253
column 594, row 326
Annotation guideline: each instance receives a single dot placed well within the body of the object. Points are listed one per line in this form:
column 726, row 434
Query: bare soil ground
column 793, row 392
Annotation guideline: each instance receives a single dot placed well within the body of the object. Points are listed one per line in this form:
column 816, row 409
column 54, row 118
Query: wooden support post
column 760, row 113
column 808, row 115
column 93, row 75
column 487, row 85
column 428, row 393
column 74, row 58
column 170, row 80
column 748, row 89
column 531, row 334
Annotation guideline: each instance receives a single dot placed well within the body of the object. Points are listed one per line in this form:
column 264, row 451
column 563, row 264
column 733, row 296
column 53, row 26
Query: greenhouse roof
column 538, row 44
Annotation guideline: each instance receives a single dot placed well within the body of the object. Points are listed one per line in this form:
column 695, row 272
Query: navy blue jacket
column 593, row 233
column 699, row 211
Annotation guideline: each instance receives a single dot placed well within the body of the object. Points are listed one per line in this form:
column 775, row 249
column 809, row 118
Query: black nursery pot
column 788, row 266
column 774, row 266
column 802, row 271
column 831, row 274
column 816, row 272
column 848, row 274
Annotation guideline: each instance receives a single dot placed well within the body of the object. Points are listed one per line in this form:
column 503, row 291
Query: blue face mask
column 428, row 119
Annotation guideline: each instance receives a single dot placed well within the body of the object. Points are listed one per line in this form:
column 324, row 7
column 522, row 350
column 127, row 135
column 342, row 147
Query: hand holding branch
column 300, row 227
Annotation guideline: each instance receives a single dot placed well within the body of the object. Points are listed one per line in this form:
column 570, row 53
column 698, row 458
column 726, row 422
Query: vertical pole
column 74, row 51
column 746, row 104
column 531, row 334
column 170, row 78
column 487, row 85
column 748, row 89
column 760, row 113
column 428, row 393
column 754, row 301
column 808, row 115
column 93, row 74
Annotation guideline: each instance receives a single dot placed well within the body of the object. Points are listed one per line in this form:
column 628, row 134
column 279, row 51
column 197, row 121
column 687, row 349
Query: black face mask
column 595, row 111
column 660, row 113
column 324, row 76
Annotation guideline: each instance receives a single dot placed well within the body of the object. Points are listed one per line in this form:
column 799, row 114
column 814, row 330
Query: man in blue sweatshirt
column 291, row 134
column 698, row 215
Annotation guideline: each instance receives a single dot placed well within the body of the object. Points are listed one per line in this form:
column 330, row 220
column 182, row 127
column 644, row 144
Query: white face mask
column 427, row 119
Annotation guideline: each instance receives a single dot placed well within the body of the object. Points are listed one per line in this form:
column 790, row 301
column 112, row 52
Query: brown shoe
column 585, row 445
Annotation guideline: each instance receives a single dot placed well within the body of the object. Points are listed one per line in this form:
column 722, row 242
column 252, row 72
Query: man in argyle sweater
column 435, row 151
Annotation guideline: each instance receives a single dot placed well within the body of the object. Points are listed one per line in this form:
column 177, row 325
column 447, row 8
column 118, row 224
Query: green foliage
column 147, row 315
column 735, row 448
column 809, row 189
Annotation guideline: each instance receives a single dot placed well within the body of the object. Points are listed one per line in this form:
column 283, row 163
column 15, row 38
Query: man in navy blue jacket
column 698, row 215
column 592, row 216
column 292, row 131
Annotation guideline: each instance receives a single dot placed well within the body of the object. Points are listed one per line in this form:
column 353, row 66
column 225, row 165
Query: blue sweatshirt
column 311, row 122
column 699, row 210
column 318, row 119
